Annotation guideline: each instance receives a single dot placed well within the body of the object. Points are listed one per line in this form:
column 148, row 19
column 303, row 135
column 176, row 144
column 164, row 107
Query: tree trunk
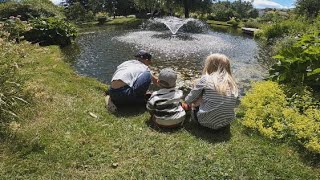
column 186, row 8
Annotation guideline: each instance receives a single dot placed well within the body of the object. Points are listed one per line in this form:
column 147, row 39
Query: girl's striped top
column 164, row 104
column 215, row 110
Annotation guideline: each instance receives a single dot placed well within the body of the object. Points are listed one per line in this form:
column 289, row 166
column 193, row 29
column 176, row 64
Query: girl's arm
column 196, row 91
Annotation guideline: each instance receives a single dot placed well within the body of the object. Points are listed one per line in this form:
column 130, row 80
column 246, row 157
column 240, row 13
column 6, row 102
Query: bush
column 262, row 109
column 224, row 15
column 273, row 31
column 252, row 23
column 269, row 111
column 102, row 17
column 233, row 22
column 300, row 63
column 51, row 31
column 274, row 17
column 75, row 12
column 29, row 9
column 89, row 16
column 210, row 17
column 16, row 28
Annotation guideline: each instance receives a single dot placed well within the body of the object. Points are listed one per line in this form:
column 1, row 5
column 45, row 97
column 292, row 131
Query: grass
column 57, row 138
column 221, row 23
column 121, row 20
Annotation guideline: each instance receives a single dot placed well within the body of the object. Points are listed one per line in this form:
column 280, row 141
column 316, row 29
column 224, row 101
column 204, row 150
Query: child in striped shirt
column 164, row 105
column 214, row 95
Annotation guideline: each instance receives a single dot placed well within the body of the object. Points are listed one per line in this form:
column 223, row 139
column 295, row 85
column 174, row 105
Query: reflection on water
column 97, row 54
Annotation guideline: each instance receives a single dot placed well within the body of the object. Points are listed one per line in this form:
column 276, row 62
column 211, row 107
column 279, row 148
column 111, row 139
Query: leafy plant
column 102, row 17
column 300, row 63
column 51, row 31
column 268, row 110
column 252, row 23
column 16, row 28
column 27, row 9
column 233, row 21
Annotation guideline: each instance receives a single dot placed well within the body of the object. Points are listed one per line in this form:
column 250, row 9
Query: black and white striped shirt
column 216, row 110
column 164, row 104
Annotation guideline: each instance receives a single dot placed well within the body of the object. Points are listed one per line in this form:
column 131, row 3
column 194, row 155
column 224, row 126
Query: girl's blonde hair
column 217, row 67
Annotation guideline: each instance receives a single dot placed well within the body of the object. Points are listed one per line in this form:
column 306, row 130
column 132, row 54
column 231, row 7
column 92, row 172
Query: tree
column 310, row 8
column 188, row 5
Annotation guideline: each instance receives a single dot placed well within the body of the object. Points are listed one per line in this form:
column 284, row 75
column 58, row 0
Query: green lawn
column 57, row 138
column 93, row 25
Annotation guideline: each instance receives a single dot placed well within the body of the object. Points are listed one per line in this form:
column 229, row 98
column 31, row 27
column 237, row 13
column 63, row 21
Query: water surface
column 97, row 54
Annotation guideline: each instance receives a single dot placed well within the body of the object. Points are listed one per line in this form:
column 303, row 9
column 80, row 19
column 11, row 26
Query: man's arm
column 154, row 79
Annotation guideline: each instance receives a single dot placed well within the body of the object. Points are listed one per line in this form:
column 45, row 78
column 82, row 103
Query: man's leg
column 120, row 97
column 140, row 87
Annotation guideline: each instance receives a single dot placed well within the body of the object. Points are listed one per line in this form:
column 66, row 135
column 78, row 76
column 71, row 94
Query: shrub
column 210, row 17
column 252, row 23
column 300, row 63
column 89, row 16
column 262, row 109
column 16, row 28
column 51, row 31
column 224, row 15
column 293, row 27
column 233, row 22
column 29, row 9
column 274, row 17
column 272, row 31
column 101, row 17
column 269, row 111
column 75, row 12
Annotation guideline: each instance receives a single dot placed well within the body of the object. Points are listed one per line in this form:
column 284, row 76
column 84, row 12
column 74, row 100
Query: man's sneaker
column 109, row 105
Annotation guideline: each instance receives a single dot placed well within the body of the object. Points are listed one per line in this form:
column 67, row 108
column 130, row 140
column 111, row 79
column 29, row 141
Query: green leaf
column 314, row 72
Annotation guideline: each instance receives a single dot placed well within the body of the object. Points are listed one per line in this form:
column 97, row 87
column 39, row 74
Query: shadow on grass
column 155, row 127
column 308, row 158
column 207, row 134
column 130, row 111
column 204, row 133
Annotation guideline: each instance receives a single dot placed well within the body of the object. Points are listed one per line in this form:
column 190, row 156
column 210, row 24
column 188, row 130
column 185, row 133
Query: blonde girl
column 215, row 93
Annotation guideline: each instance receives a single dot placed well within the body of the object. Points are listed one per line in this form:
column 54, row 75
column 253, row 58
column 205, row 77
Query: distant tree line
column 226, row 10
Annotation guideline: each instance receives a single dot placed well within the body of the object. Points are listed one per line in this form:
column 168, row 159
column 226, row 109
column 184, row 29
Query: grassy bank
column 118, row 21
column 65, row 133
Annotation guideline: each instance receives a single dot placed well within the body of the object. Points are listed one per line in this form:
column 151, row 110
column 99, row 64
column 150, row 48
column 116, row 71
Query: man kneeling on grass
column 130, row 82
column 164, row 105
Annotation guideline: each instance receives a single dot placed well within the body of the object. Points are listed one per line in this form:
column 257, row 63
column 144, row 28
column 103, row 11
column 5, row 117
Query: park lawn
column 221, row 23
column 120, row 20
column 66, row 133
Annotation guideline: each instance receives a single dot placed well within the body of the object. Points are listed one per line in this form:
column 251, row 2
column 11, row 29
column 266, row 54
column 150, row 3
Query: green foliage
column 262, row 107
column 252, row 23
column 311, row 8
column 102, row 17
column 300, row 63
column 75, row 12
column 224, row 11
column 267, row 110
column 233, row 21
column 274, row 16
column 29, row 9
column 48, row 31
column 16, row 28
column 293, row 27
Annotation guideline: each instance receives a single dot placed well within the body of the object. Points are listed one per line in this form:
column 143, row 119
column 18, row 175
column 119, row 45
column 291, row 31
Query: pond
column 97, row 54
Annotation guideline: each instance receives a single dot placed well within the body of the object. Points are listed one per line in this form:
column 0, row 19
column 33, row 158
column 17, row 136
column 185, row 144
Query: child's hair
column 217, row 66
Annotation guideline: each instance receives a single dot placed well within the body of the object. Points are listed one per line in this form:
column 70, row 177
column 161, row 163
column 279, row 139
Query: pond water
column 97, row 54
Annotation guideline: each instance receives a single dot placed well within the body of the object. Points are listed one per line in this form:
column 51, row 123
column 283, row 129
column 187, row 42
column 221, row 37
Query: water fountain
column 102, row 51
column 173, row 23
